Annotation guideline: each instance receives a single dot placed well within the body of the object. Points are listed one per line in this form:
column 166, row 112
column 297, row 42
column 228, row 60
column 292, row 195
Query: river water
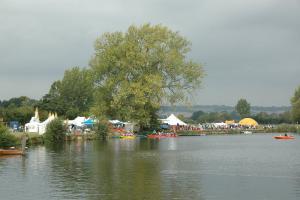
column 207, row 167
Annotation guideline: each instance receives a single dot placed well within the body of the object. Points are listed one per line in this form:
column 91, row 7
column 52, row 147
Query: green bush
column 55, row 131
column 286, row 128
column 35, row 138
column 102, row 129
column 6, row 138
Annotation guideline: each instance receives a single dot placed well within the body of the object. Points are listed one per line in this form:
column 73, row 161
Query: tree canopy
column 295, row 101
column 17, row 109
column 70, row 96
column 136, row 71
column 243, row 108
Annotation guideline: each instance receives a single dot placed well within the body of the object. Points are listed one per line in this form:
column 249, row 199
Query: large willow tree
column 136, row 71
column 295, row 101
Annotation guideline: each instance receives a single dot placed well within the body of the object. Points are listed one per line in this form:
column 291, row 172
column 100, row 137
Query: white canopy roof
column 115, row 121
column 173, row 121
column 78, row 121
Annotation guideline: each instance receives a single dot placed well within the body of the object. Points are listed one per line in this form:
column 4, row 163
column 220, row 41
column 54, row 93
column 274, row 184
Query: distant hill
column 188, row 110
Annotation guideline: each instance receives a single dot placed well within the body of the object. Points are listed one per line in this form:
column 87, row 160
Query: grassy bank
column 88, row 136
column 282, row 128
column 7, row 139
column 208, row 132
column 33, row 138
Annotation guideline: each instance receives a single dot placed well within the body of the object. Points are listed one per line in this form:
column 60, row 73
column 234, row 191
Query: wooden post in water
column 23, row 142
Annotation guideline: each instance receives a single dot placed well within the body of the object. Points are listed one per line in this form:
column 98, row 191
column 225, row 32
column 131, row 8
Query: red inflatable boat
column 284, row 137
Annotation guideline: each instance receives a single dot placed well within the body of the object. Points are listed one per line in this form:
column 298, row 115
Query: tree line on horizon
column 21, row 109
column 243, row 109
column 129, row 77
column 222, row 108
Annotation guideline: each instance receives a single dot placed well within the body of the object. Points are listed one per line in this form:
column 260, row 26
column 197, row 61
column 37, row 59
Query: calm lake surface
column 208, row 167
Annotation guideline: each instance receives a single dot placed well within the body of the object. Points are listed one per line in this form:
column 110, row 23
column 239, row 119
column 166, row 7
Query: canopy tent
column 78, row 121
column 115, row 121
column 221, row 125
column 89, row 121
column 230, row 122
column 173, row 121
column 248, row 122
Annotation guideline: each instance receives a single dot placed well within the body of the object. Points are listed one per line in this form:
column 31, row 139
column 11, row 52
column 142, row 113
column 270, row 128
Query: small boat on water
column 247, row 132
column 284, row 137
column 11, row 152
column 127, row 136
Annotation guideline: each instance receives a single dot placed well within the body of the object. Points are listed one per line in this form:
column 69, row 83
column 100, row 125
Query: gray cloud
column 250, row 48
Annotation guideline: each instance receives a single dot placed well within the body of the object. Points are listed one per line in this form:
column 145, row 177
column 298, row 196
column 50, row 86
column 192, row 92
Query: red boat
column 162, row 135
column 284, row 137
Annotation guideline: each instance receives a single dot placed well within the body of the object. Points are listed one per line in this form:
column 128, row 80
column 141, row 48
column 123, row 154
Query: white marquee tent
column 35, row 126
column 173, row 121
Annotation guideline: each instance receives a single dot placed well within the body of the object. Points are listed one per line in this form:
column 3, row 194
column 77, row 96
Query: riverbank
column 36, row 139
column 283, row 128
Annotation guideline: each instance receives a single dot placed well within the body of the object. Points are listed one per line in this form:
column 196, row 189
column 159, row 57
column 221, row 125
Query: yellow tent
column 248, row 122
column 229, row 122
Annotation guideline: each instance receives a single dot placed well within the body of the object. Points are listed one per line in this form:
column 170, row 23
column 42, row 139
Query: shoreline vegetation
column 9, row 138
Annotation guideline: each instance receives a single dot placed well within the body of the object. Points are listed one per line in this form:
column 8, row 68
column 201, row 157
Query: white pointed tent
column 173, row 121
column 43, row 125
column 35, row 126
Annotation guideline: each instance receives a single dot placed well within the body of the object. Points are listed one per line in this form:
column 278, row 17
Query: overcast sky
column 250, row 48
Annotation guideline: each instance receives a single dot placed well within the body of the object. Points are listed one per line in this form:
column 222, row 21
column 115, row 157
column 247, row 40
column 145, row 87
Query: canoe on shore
column 11, row 152
column 284, row 137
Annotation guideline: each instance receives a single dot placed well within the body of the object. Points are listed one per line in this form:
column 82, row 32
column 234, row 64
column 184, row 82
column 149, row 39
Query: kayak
column 127, row 137
column 284, row 137
column 161, row 136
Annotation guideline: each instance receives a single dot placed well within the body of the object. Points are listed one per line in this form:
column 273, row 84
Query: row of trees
column 243, row 109
column 17, row 109
column 261, row 118
column 22, row 110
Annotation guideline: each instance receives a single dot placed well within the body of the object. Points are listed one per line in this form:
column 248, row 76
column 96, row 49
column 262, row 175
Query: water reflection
column 171, row 168
column 110, row 170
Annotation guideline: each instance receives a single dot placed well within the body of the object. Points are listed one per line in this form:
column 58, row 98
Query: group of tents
column 81, row 123
column 245, row 123
column 36, row 126
column 172, row 120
